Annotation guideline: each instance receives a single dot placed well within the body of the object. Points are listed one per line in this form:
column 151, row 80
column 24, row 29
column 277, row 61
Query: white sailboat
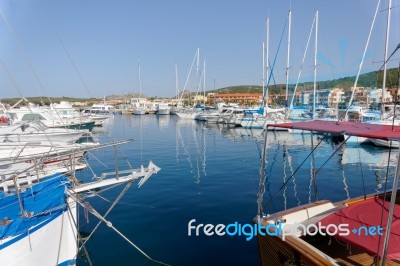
column 36, row 131
column 257, row 119
column 321, row 232
column 163, row 109
column 386, row 118
column 39, row 205
column 139, row 106
column 39, row 216
column 48, row 117
column 192, row 112
column 303, row 114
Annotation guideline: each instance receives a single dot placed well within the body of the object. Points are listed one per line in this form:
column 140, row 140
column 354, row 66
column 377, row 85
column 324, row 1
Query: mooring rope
column 109, row 224
column 110, row 208
column 295, row 171
column 79, row 236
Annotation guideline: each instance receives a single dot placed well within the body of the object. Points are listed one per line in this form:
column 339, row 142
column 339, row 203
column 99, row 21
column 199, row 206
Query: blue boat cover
column 41, row 202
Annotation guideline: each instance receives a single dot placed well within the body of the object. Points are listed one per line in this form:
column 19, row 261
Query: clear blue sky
column 107, row 39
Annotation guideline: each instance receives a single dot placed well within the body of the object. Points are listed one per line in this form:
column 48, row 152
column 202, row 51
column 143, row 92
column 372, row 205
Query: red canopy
column 368, row 213
column 376, row 131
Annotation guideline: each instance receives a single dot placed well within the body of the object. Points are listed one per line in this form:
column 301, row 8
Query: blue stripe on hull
column 30, row 231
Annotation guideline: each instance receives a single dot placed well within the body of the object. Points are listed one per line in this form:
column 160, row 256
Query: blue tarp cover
column 43, row 201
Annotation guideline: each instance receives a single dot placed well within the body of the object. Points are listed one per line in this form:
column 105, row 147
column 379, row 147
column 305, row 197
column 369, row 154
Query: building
column 335, row 97
column 240, row 98
column 375, row 97
column 361, row 95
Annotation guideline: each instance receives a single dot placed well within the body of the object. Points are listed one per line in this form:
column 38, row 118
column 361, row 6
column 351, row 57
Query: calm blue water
column 211, row 173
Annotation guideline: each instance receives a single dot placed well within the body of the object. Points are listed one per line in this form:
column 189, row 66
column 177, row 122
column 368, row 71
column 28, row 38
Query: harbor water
column 211, row 173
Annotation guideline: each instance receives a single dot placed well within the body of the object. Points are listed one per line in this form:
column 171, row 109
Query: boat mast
column 264, row 93
column 266, row 69
column 140, row 84
column 178, row 101
column 204, row 84
column 315, row 64
column 385, row 59
column 363, row 58
column 188, row 71
column 391, row 208
column 197, row 73
column 396, row 177
column 288, row 63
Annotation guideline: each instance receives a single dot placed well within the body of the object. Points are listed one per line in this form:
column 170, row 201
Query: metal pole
column 391, row 210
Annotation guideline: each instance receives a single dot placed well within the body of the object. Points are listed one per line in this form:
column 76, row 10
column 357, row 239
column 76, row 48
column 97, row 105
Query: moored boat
column 38, row 217
column 357, row 231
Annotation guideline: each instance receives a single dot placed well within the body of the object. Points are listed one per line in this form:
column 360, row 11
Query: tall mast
column 264, row 93
column 266, row 69
column 385, row 59
column 363, row 58
column 396, row 177
column 197, row 73
column 204, row 84
column 315, row 63
column 140, row 83
column 288, row 62
column 176, row 86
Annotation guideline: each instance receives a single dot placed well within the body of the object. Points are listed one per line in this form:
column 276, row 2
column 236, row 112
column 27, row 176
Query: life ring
column 3, row 119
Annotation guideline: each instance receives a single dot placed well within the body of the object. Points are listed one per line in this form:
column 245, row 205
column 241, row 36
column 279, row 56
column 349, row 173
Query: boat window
column 32, row 117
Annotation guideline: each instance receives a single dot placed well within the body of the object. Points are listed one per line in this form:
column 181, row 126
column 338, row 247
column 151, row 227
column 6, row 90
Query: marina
column 210, row 173
column 277, row 143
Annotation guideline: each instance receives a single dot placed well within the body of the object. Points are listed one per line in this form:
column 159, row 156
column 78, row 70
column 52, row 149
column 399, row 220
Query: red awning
column 367, row 213
column 375, row 131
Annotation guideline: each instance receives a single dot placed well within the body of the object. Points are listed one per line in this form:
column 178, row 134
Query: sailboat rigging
column 140, row 108
column 40, row 192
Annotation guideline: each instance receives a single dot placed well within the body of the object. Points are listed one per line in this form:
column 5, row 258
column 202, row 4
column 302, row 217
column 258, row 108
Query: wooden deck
column 342, row 253
column 305, row 250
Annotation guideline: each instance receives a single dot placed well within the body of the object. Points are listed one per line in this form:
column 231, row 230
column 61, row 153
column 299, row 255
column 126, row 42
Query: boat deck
column 342, row 253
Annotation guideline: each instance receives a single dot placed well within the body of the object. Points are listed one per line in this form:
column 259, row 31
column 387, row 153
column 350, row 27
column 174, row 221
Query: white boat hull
column 139, row 111
column 184, row 115
column 163, row 111
column 261, row 122
column 67, row 137
column 51, row 242
column 385, row 143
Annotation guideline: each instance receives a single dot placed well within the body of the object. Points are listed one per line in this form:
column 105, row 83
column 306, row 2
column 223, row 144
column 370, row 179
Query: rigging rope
column 128, row 185
column 362, row 173
column 362, row 60
column 384, row 199
column 333, row 153
column 46, row 16
column 290, row 177
column 61, row 234
column 79, row 235
column 273, row 64
column 109, row 224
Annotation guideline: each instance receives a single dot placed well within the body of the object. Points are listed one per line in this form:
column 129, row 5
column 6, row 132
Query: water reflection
column 191, row 142
column 352, row 170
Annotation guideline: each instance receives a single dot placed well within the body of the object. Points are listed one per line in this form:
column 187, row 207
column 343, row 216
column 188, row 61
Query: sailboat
column 256, row 119
column 383, row 117
column 192, row 112
column 302, row 114
column 140, row 103
column 40, row 195
column 357, row 231
column 391, row 118
column 163, row 108
column 38, row 217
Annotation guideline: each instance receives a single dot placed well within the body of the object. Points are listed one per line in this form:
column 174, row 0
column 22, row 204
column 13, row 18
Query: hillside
column 369, row 80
